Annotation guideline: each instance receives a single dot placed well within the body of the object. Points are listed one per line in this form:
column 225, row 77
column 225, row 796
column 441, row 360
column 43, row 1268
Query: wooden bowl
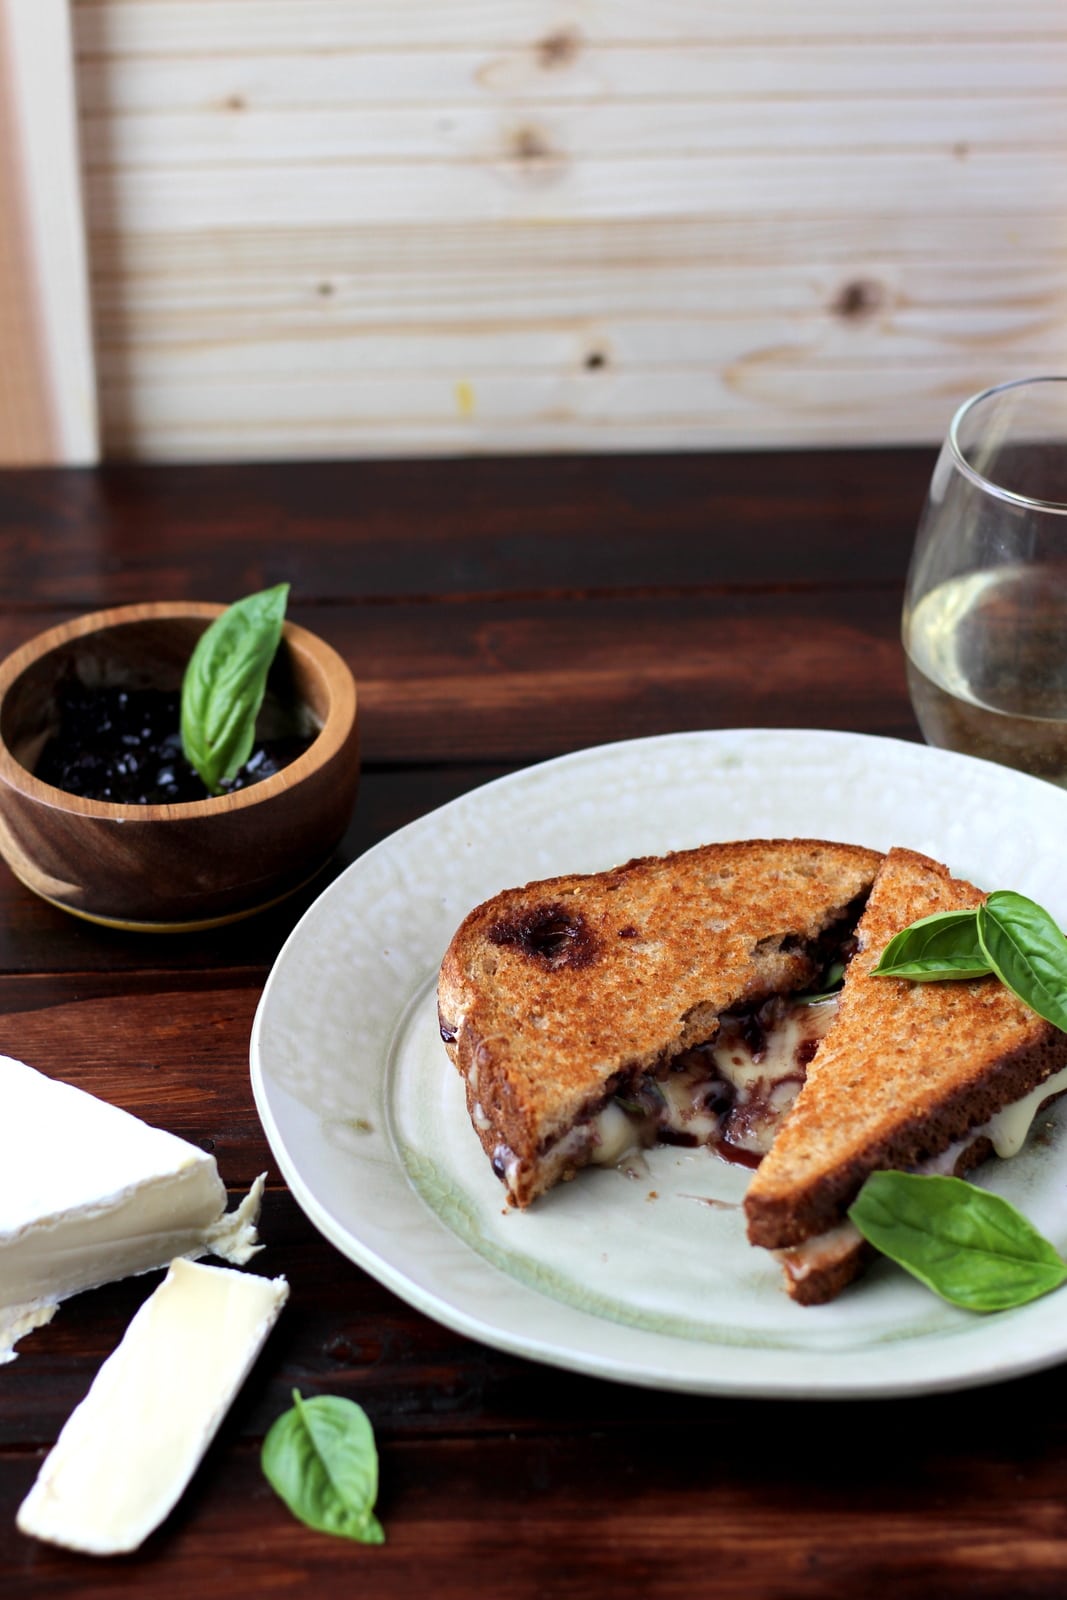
column 170, row 867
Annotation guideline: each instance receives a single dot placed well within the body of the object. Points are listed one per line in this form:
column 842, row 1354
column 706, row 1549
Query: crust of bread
column 551, row 993
column 824, row 1283
column 906, row 1070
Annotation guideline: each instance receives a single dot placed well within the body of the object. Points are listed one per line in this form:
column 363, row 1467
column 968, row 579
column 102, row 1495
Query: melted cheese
column 1008, row 1129
column 768, row 1081
column 681, row 1104
column 822, row 1251
column 794, row 1026
column 614, row 1136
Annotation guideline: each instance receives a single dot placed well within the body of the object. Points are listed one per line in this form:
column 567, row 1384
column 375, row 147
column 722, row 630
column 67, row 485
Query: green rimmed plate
column 645, row 1278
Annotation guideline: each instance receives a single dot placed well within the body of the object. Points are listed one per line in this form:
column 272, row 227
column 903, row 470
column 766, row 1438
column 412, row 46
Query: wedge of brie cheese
column 89, row 1193
column 127, row 1452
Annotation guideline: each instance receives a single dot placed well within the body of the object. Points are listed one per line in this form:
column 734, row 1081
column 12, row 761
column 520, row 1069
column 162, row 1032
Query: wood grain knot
column 529, row 144
column 861, row 297
column 348, row 1352
column 559, row 48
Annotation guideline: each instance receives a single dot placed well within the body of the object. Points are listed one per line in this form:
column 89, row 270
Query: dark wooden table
column 495, row 613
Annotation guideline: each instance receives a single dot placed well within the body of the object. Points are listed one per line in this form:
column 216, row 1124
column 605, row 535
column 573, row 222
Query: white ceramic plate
column 366, row 1116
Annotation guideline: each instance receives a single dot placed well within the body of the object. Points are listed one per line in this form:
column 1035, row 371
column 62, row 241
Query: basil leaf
column 1027, row 951
column 321, row 1459
column 835, row 977
column 968, row 1245
column 945, row 945
column 224, row 683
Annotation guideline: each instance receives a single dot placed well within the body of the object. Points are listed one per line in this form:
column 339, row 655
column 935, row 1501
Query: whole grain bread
column 906, row 1071
column 551, row 995
column 815, row 1281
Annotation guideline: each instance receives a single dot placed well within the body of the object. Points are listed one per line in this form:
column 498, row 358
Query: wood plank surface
column 495, row 612
column 441, row 686
column 468, row 595
column 452, row 227
column 386, row 531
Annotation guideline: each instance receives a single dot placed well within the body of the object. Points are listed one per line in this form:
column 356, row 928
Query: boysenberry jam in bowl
column 101, row 814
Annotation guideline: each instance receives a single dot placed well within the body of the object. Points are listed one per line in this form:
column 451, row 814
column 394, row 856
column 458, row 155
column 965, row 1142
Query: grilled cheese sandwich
column 592, row 1014
column 917, row 1077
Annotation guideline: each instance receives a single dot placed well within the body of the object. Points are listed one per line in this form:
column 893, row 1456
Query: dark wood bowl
column 181, row 866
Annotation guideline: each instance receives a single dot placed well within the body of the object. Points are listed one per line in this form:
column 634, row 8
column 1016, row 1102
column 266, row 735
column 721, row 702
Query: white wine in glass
column 985, row 612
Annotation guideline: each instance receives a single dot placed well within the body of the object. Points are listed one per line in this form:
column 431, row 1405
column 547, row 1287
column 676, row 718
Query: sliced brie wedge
column 89, row 1193
column 127, row 1452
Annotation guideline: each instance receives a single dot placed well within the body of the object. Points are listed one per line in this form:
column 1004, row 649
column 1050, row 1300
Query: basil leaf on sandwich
column 971, row 1247
column 1007, row 934
column 1027, row 951
column 945, row 945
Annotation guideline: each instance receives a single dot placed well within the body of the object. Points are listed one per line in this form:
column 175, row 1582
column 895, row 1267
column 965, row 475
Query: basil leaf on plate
column 224, row 684
column 1027, row 951
column 321, row 1458
column 944, row 945
column 968, row 1245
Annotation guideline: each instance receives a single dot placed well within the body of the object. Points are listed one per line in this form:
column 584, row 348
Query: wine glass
column 985, row 611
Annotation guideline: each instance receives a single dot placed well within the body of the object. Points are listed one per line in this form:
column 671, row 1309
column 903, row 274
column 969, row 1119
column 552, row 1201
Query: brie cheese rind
column 90, row 1193
column 130, row 1448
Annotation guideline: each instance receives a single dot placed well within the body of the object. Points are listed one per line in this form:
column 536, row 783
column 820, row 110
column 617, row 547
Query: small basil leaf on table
column 320, row 1457
column 968, row 1245
column 945, row 945
column 224, row 685
column 1027, row 951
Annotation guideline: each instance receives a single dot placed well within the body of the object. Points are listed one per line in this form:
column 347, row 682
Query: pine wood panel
column 221, row 137
column 320, row 229
column 155, row 26
column 529, row 182
column 230, row 77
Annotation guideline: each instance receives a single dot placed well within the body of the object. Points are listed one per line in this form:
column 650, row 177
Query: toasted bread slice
column 554, row 997
column 908, row 1077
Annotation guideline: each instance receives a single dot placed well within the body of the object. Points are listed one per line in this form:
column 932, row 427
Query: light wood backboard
column 324, row 227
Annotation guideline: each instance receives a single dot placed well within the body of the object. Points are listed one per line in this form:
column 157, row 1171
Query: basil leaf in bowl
column 224, row 684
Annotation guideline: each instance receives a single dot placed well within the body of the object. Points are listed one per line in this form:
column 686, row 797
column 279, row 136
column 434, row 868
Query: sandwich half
column 591, row 1015
column 919, row 1077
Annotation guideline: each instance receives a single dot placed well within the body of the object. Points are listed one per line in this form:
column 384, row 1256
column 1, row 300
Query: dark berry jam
column 124, row 745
